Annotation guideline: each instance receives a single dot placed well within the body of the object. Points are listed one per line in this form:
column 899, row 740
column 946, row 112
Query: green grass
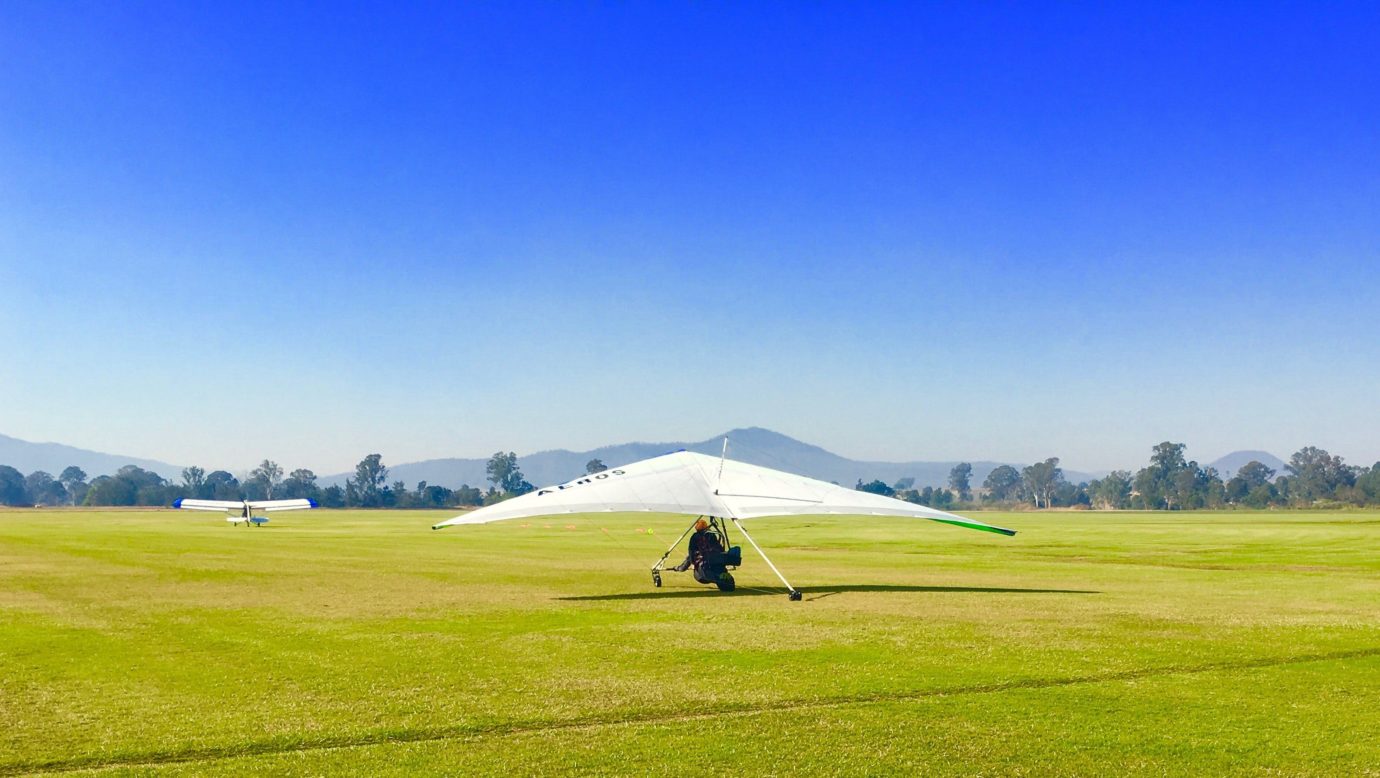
column 362, row 642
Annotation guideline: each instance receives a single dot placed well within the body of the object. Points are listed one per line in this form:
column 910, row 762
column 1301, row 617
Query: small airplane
column 243, row 510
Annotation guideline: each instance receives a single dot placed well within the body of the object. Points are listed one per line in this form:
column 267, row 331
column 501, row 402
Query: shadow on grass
column 820, row 592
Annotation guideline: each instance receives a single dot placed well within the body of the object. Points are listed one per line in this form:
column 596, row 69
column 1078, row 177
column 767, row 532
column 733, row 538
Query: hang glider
column 687, row 483
column 244, row 510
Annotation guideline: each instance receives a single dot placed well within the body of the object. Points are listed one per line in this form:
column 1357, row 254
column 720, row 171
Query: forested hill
column 753, row 445
column 54, row 457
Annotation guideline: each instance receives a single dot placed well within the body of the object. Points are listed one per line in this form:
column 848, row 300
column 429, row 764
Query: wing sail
column 208, row 505
column 688, row 483
column 664, row 484
column 755, row 492
column 281, row 505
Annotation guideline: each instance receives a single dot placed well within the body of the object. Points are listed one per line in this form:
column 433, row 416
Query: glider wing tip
column 177, row 503
column 312, row 503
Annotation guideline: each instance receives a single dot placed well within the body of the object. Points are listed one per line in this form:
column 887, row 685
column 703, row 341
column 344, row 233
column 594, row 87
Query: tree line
column 1313, row 478
column 368, row 488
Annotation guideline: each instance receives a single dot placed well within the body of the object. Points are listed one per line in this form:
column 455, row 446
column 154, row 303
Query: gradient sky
column 910, row 231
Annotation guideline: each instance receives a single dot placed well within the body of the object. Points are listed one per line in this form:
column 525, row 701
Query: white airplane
column 243, row 510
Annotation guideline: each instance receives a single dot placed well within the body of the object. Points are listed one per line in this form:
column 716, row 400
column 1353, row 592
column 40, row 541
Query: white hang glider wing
column 693, row 484
column 698, row 485
column 243, row 510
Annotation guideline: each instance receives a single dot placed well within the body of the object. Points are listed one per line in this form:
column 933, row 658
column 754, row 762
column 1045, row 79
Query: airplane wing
column 281, row 505
column 208, row 505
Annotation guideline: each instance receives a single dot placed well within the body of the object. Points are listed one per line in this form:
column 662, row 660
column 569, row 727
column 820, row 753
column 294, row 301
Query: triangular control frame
column 792, row 593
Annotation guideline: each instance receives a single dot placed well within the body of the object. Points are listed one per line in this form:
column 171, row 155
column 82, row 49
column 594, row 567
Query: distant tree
column 1214, row 491
column 958, row 480
column 1251, row 486
column 149, row 487
column 432, row 496
column 595, row 466
column 193, row 479
column 367, row 485
column 505, row 476
column 1003, row 483
column 43, row 489
column 500, row 468
column 875, row 487
column 1147, row 491
column 220, row 485
column 1236, row 490
column 269, row 474
column 1317, row 475
column 131, row 485
column 12, row 487
column 108, row 490
column 1112, row 491
column 253, row 489
column 73, row 479
column 299, row 484
column 400, row 496
column 1157, row 484
column 903, row 484
column 1255, row 474
column 1168, row 457
column 1041, row 480
column 1260, row 497
column 943, row 499
column 1368, row 485
column 1284, row 487
column 1188, row 487
column 468, row 495
column 332, row 497
column 1069, row 495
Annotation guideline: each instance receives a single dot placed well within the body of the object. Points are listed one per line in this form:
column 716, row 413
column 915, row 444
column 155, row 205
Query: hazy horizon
column 245, row 468
column 899, row 233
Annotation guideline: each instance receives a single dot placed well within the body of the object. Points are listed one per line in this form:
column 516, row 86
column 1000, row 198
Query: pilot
column 704, row 546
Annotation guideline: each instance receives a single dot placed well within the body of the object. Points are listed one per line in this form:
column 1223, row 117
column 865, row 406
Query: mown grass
column 363, row 642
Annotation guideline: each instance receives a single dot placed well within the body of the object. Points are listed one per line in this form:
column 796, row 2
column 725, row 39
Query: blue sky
column 1000, row 231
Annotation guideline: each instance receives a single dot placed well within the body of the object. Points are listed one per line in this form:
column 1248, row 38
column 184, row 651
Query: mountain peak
column 1228, row 464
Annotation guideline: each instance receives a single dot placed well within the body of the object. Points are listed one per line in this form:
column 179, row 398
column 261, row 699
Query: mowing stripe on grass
column 428, row 734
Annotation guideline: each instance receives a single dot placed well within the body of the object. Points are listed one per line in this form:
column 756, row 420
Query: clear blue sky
column 921, row 231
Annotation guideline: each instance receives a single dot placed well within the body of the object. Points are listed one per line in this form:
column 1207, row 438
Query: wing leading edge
column 281, row 505
column 239, row 505
column 208, row 505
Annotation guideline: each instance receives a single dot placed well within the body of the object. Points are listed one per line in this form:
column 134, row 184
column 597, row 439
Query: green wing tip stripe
column 979, row 527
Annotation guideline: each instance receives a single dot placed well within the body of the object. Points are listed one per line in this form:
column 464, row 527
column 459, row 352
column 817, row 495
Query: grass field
column 362, row 642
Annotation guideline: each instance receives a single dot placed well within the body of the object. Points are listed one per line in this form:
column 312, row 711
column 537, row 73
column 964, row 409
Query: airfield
column 137, row 642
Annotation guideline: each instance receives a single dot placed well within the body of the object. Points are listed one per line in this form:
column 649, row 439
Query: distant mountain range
column 53, row 458
column 753, row 444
